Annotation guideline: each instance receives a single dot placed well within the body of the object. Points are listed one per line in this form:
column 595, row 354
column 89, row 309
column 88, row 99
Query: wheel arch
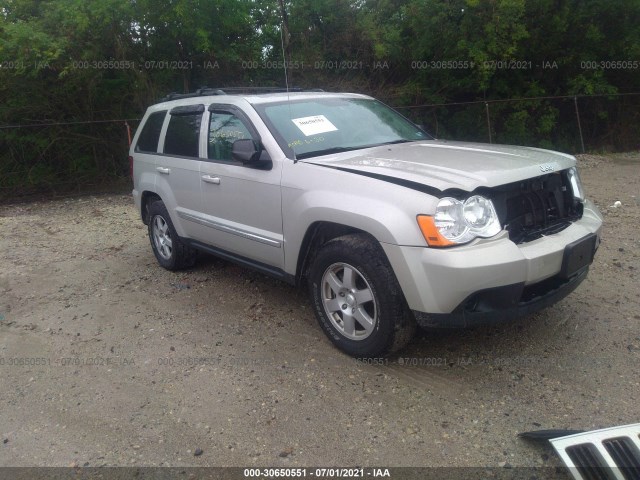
column 317, row 235
column 147, row 199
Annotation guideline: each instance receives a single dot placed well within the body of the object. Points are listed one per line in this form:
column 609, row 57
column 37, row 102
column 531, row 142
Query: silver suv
column 388, row 227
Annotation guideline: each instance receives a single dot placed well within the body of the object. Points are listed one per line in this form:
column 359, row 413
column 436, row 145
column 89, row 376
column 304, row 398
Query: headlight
column 576, row 184
column 457, row 222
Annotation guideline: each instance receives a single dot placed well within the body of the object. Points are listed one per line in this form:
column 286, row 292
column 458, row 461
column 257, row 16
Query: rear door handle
column 164, row 170
column 210, row 179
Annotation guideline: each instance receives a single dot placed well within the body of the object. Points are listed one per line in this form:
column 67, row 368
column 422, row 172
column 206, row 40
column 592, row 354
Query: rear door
column 178, row 168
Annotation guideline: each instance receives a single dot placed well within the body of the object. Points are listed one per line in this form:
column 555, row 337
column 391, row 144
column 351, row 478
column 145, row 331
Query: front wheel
column 357, row 299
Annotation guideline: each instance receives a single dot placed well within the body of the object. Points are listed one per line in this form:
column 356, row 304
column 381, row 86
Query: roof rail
column 206, row 91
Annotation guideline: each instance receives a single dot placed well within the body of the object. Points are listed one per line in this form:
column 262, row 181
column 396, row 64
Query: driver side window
column 224, row 129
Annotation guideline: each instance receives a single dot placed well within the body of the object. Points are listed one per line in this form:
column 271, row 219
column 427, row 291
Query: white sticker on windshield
column 314, row 125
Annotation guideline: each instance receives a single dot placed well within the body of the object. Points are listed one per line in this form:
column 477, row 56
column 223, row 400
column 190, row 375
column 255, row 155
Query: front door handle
column 210, row 179
column 164, row 170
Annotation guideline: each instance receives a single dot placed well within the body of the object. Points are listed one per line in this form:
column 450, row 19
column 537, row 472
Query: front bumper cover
column 501, row 304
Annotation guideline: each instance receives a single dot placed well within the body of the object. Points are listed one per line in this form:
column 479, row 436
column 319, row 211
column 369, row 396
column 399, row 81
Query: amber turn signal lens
column 431, row 233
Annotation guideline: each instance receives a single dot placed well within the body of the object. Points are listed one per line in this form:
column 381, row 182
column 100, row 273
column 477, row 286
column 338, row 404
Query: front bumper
column 500, row 304
column 490, row 280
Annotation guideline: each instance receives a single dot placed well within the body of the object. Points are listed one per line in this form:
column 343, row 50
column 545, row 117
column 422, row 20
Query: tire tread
column 368, row 252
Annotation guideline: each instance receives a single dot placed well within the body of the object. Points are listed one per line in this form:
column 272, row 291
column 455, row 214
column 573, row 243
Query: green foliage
column 84, row 60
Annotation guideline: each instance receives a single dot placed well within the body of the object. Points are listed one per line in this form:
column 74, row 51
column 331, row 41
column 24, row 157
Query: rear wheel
column 357, row 299
column 169, row 250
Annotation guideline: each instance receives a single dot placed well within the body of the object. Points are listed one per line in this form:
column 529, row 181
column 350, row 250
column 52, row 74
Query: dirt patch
column 107, row 359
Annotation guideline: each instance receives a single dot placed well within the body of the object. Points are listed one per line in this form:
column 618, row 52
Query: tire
column 169, row 250
column 352, row 273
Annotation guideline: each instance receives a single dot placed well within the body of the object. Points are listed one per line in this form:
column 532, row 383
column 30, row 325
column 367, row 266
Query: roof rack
column 206, row 91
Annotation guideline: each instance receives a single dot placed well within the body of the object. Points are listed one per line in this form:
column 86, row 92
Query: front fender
column 385, row 211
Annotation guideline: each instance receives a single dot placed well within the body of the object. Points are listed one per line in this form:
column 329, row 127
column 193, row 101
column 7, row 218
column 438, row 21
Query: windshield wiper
column 327, row 151
column 393, row 142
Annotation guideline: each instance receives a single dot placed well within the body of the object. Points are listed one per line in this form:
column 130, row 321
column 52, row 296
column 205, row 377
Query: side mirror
column 245, row 151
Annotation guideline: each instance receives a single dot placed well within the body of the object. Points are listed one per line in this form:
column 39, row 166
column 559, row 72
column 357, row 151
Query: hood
column 450, row 165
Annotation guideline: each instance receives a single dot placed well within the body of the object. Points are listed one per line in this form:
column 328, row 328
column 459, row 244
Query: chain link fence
column 49, row 159
column 574, row 124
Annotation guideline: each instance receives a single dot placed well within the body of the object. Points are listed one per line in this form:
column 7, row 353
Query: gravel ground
column 107, row 359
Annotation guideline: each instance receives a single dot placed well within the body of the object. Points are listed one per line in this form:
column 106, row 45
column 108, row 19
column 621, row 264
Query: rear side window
column 183, row 133
column 148, row 140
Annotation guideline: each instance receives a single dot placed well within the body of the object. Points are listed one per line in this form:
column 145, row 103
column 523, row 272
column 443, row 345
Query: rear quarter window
column 150, row 134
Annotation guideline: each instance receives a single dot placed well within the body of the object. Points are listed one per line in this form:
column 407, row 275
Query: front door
column 241, row 205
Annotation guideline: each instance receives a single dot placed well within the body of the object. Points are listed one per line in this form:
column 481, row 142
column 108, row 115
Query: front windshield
column 322, row 126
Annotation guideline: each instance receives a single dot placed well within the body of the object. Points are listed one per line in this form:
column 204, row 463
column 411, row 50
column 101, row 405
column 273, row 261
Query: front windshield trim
column 261, row 109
